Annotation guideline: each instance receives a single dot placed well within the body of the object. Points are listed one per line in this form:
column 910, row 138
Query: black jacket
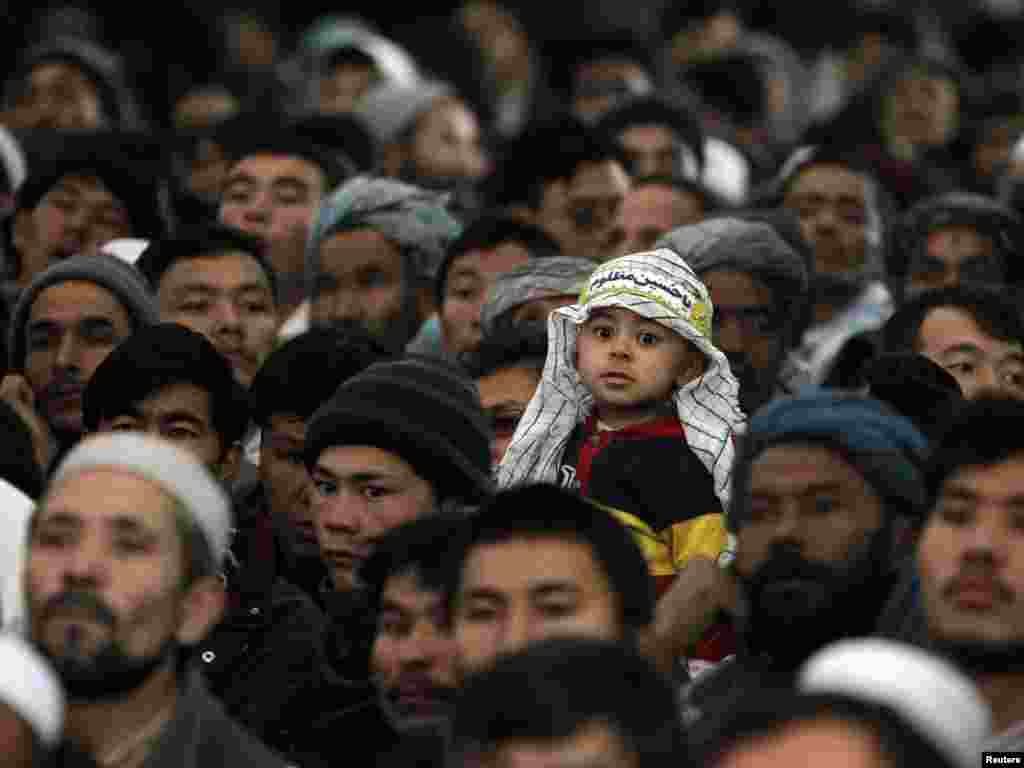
column 199, row 735
column 266, row 655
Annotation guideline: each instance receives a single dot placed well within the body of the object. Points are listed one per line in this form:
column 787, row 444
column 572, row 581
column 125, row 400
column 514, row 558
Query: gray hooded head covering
column 660, row 286
column 413, row 218
column 390, row 108
column 537, row 279
column 745, row 246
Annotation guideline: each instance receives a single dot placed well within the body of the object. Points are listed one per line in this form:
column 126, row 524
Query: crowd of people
column 655, row 403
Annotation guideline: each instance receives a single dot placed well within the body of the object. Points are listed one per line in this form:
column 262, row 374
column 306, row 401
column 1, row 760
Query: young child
column 637, row 409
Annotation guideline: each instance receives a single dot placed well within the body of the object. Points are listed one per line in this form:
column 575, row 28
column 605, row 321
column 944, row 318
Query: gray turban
column 537, row 279
column 745, row 246
column 412, row 218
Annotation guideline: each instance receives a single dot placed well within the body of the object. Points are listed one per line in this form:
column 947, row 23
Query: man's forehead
column 274, row 166
column 648, row 136
column 829, row 178
column 106, row 493
column 960, row 238
column 180, row 397
column 602, row 178
column 537, row 558
column 796, row 466
column 85, row 185
column 1001, row 478
column 73, row 300
column 406, row 587
column 947, row 328
column 226, row 270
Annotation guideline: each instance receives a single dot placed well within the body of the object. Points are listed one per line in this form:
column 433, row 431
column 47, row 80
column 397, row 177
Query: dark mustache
column 786, row 565
column 80, row 600
column 63, row 380
column 1003, row 592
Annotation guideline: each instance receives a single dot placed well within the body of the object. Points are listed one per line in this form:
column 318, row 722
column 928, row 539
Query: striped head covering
column 657, row 285
column 537, row 279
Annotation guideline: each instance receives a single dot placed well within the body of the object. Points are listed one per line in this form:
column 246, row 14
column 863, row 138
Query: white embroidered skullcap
column 176, row 471
column 933, row 697
column 30, row 687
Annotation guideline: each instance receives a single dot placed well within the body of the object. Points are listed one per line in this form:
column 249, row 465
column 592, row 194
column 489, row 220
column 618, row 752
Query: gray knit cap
column 413, row 218
column 745, row 246
column 118, row 277
column 537, row 279
column 390, row 108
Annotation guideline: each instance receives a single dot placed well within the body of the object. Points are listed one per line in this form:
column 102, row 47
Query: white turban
column 179, row 473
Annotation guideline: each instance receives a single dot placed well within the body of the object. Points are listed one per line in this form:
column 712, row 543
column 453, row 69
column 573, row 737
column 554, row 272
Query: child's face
column 631, row 364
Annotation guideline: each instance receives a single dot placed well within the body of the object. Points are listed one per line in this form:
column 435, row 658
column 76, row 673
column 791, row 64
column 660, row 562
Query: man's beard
column 392, row 333
column 795, row 606
column 836, row 290
column 108, row 673
column 402, row 718
column 757, row 387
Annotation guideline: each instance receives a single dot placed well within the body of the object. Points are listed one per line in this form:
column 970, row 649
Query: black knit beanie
column 424, row 410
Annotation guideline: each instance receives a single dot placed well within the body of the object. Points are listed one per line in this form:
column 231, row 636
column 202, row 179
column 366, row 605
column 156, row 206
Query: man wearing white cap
column 860, row 703
column 122, row 576
column 31, row 705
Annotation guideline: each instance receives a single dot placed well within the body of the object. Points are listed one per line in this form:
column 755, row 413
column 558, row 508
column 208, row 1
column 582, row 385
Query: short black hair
column 767, row 711
column 255, row 133
column 158, row 356
column 994, row 312
column 419, row 546
column 542, row 510
column 982, row 432
column 202, row 241
column 548, row 150
column 553, row 689
column 304, row 372
column 488, row 231
column 508, row 347
column 656, row 110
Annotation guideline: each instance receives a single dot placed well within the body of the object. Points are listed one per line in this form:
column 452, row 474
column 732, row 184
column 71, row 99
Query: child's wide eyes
column 648, row 339
column 601, row 331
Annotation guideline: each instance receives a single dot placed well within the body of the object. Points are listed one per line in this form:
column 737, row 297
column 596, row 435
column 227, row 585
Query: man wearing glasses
column 759, row 289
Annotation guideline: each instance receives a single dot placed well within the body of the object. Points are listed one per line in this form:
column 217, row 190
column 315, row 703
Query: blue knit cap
column 885, row 447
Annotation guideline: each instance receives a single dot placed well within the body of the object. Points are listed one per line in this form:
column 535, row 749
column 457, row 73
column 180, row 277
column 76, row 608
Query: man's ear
column 202, row 608
column 229, row 465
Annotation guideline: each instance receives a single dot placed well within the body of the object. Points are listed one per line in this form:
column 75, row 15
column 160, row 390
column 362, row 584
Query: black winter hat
column 158, row 356
column 423, row 409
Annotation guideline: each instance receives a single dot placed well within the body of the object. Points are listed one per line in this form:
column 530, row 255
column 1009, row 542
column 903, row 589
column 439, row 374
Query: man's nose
column 68, row 352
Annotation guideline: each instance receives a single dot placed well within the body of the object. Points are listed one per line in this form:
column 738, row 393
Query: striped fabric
column 659, row 286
